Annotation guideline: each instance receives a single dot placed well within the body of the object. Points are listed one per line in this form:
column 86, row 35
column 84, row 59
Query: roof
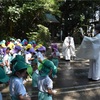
column 51, row 18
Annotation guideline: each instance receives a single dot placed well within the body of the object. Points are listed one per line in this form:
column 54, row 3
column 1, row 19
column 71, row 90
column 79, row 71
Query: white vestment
column 68, row 48
column 90, row 48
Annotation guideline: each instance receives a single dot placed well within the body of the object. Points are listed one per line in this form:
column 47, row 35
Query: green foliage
column 36, row 8
column 32, row 36
column 42, row 35
column 18, row 17
column 15, row 13
column 76, row 13
column 25, row 16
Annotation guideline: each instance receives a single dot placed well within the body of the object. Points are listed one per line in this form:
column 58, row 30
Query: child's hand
column 54, row 92
column 27, row 97
column 39, row 60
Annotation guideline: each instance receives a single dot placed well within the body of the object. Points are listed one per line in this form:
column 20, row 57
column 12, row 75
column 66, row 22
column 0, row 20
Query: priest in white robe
column 68, row 48
column 90, row 49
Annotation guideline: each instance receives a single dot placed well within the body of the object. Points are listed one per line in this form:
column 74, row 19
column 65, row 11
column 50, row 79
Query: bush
column 41, row 36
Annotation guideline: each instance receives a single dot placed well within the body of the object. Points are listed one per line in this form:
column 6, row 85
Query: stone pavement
column 71, row 84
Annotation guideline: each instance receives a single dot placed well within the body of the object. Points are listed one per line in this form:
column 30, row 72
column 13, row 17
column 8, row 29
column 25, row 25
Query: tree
column 19, row 17
column 77, row 13
column 23, row 16
column 42, row 35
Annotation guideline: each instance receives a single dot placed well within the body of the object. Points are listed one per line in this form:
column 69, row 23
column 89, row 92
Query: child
column 16, row 51
column 55, row 55
column 35, row 74
column 45, row 83
column 29, row 57
column 39, row 54
column 3, row 79
column 16, row 87
column 6, row 61
column 42, row 49
column 17, row 58
column 29, row 69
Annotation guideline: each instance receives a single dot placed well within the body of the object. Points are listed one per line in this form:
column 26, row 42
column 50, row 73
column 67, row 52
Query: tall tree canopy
column 19, row 17
column 77, row 13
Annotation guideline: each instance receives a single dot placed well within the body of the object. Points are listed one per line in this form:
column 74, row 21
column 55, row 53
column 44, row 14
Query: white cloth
column 16, row 87
column 0, row 96
column 68, row 48
column 6, row 58
column 94, row 70
column 14, row 55
column 94, row 42
column 6, row 62
column 27, row 57
column 40, row 56
column 45, row 83
column 89, row 48
column 55, row 54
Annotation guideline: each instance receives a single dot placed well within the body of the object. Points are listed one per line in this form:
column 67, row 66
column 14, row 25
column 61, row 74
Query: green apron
column 55, row 61
column 44, row 96
column 35, row 79
column 30, row 70
column 14, row 98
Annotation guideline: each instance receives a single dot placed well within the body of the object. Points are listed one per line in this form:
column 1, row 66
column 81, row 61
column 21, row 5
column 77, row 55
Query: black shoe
column 90, row 79
column 67, row 60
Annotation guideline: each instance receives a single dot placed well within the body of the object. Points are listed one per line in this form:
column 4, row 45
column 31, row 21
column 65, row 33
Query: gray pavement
column 71, row 84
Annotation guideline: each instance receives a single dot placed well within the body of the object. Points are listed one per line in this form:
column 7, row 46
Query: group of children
column 28, row 62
